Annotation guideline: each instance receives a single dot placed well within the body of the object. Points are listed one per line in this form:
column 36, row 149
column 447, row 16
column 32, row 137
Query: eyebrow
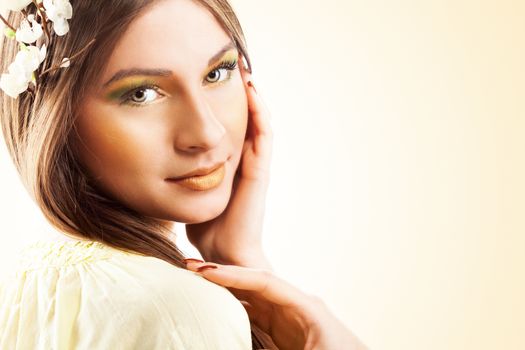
column 123, row 73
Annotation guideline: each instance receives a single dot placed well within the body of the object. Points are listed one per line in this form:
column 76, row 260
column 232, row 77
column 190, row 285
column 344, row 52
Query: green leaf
column 22, row 46
column 9, row 33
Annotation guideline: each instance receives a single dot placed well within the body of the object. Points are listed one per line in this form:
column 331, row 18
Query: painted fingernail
column 206, row 267
column 187, row 260
column 251, row 85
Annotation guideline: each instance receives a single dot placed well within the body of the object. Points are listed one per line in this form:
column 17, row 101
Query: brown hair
column 38, row 126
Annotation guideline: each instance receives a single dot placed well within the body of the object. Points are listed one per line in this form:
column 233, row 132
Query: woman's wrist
column 260, row 262
column 254, row 258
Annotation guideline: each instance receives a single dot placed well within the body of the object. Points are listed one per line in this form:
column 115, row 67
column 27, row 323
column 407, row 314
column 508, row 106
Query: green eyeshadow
column 131, row 84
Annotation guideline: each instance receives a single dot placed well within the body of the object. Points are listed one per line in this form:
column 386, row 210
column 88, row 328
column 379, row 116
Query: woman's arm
column 294, row 320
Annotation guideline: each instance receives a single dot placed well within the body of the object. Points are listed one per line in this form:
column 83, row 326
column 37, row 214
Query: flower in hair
column 30, row 30
column 13, row 5
column 22, row 72
column 15, row 82
column 59, row 11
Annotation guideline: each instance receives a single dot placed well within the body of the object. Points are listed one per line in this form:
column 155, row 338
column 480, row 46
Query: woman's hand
column 293, row 319
column 235, row 236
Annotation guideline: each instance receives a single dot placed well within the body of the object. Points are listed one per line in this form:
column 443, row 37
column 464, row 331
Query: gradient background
column 398, row 175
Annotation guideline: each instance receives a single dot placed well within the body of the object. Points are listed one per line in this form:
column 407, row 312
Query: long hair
column 38, row 129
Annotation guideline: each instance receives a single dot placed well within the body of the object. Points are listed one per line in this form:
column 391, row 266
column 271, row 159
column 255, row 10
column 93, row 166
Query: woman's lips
column 203, row 182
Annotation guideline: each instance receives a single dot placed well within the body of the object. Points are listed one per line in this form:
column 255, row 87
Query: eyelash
column 229, row 65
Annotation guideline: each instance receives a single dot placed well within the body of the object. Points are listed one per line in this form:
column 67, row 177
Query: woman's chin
column 200, row 213
column 197, row 219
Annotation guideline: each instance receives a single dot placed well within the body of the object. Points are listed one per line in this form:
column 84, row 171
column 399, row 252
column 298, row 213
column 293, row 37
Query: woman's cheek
column 239, row 105
column 113, row 143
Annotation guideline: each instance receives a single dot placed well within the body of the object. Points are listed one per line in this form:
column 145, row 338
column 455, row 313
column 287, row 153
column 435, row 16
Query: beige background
column 398, row 175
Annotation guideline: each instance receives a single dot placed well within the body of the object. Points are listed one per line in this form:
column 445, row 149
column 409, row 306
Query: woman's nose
column 198, row 128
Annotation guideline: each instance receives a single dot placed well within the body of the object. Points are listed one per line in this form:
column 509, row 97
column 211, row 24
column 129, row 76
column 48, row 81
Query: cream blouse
column 87, row 295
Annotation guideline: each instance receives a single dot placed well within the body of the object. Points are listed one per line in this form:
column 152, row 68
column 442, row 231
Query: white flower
column 30, row 30
column 31, row 58
column 13, row 5
column 21, row 70
column 65, row 62
column 59, row 11
column 14, row 82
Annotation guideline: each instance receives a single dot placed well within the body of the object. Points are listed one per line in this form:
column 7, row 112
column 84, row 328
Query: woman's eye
column 215, row 75
column 222, row 72
column 141, row 96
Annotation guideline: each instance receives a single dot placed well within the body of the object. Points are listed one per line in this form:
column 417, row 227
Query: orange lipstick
column 203, row 182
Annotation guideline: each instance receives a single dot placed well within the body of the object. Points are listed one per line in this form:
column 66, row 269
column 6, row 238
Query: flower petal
column 65, row 62
column 29, row 31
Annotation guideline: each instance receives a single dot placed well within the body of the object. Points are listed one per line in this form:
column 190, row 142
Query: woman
column 133, row 116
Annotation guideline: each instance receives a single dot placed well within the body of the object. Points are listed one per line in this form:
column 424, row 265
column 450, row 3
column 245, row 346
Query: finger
column 258, row 110
column 248, row 144
column 264, row 282
column 259, row 129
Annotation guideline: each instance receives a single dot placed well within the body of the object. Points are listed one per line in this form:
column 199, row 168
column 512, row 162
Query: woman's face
column 162, row 109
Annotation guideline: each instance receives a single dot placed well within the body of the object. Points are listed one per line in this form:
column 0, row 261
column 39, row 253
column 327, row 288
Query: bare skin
column 235, row 236
column 198, row 116
column 134, row 133
column 293, row 319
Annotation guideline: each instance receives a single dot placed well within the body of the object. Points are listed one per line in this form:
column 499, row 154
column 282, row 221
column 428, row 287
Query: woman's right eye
column 141, row 96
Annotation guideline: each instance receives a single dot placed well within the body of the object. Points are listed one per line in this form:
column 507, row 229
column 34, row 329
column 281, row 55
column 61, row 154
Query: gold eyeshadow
column 128, row 84
column 131, row 83
column 231, row 55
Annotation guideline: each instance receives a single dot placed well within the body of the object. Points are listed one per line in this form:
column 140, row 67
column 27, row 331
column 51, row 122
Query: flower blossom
column 13, row 5
column 14, row 82
column 21, row 71
column 65, row 62
column 59, row 11
column 30, row 30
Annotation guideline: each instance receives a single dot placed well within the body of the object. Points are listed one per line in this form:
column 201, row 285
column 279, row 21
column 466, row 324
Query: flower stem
column 44, row 21
column 70, row 58
column 7, row 24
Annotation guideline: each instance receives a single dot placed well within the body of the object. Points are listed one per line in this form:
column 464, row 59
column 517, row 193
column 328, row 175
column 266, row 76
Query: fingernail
column 206, row 267
column 187, row 260
column 251, row 85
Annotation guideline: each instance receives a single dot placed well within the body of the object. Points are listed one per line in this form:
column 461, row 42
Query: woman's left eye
column 222, row 73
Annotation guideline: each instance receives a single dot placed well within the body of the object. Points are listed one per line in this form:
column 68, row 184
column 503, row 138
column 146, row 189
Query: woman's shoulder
column 57, row 253
column 81, row 287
